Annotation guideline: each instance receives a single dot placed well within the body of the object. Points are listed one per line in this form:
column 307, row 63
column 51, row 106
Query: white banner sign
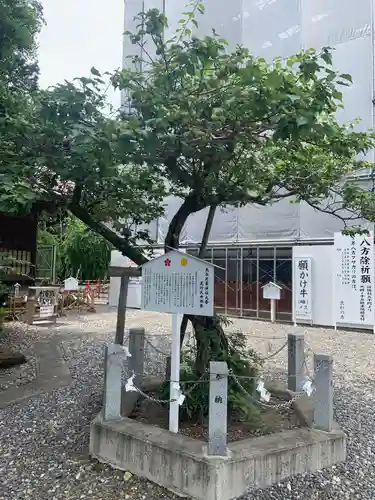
column 302, row 289
column 354, row 279
column 178, row 283
column 46, row 311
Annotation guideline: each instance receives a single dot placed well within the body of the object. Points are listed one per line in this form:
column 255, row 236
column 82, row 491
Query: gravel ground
column 14, row 338
column 44, row 441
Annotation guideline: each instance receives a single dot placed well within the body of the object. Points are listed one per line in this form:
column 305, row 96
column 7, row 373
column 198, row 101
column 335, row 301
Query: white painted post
column 273, row 310
column 175, row 373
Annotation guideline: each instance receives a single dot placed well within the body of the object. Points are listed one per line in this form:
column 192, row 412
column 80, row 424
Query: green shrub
column 242, row 361
column 84, row 253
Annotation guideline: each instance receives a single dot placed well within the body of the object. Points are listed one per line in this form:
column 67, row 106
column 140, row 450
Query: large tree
column 20, row 22
column 210, row 126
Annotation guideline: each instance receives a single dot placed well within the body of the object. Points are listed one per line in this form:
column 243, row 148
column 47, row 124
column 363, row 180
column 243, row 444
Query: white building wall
column 134, row 288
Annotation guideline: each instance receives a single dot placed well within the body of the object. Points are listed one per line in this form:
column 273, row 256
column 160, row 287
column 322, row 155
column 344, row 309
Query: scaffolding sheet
column 270, row 28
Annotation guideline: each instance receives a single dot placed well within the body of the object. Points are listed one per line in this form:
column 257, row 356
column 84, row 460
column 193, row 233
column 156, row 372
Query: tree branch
column 117, row 241
column 191, row 205
column 77, row 194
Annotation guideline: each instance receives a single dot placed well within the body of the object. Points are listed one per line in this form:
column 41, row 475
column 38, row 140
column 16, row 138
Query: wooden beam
column 130, row 272
column 121, row 310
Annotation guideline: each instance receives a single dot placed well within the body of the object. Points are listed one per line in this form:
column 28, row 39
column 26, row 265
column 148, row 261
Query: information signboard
column 71, row 284
column 46, row 311
column 271, row 291
column 354, row 279
column 178, row 283
column 302, row 289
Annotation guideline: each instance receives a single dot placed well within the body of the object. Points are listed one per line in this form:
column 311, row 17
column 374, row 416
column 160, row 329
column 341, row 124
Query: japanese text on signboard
column 354, row 270
column 177, row 283
column 302, row 288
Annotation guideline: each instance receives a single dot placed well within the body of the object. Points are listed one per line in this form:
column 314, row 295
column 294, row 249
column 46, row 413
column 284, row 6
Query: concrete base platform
column 181, row 464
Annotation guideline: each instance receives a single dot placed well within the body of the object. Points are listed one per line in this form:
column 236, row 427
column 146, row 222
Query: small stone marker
column 218, row 409
column 323, row 396
column 296, row 354
column 113, row 359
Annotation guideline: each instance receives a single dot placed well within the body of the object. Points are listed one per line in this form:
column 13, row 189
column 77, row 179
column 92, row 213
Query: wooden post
column 137, row 351
column 121, row 310
column 273, row 310
column 124, row 273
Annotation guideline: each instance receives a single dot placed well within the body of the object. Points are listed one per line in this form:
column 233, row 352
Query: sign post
column 180, row 284
column 175, row 373
column 272, row 291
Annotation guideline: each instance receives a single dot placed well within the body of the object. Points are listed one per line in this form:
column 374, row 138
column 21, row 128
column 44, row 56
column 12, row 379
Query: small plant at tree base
column 241, row 361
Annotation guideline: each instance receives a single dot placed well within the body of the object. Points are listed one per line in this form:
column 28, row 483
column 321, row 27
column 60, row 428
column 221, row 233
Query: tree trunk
column 212, row 343
column 202, row 250
column 190, row 206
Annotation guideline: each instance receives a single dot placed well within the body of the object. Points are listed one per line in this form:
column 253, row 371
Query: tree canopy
column 208, row 125
column 20, row 22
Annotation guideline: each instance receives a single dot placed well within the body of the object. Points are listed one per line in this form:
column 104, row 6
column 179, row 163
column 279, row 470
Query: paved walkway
column 51, row 373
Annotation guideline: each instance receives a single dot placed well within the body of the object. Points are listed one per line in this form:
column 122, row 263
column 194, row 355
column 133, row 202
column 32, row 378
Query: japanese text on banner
column 354, row 275
column 302, row 288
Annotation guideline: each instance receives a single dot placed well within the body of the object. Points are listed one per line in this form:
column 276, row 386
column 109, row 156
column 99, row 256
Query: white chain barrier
column 264, row 395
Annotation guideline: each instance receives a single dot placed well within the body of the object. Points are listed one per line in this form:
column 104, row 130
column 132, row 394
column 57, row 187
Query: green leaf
column 326, row 56
column 346, row 76
column 337, row 95
column 274, row 80
column 95, row 72
column 302, row 120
